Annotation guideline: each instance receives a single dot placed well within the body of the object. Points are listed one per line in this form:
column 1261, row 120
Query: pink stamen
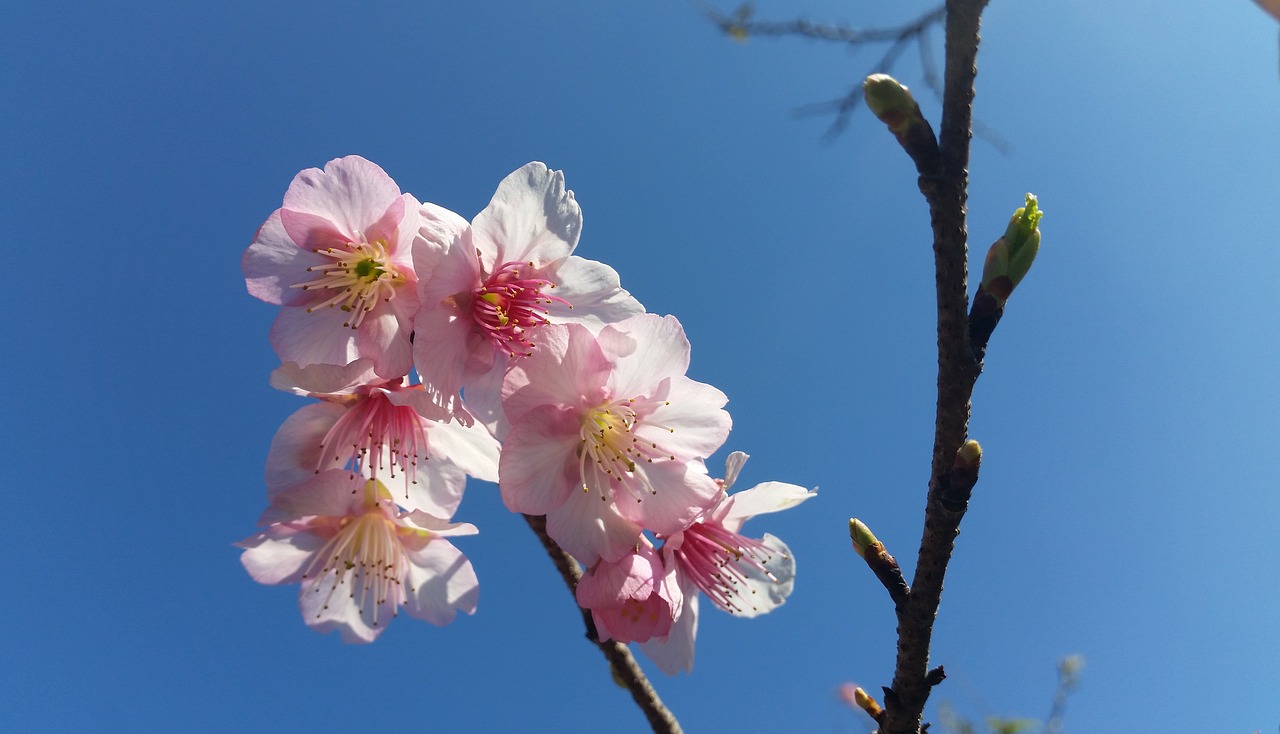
column 508, row 307
column 369, row 426
column 715, row 558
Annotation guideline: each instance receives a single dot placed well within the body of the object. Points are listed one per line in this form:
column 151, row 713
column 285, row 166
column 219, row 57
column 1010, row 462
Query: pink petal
column 384, row 338
column 595, row 293
column 763, row 498
column 663, row 352
column 318, row 337
column 331, row 493
column 295, row 449
column 442, row 583
column 691, row 423
column 681, row 493
column 531, row 218
column 314, row 232
column 279, row 554
column 675, row 653
column 324, row 379
column 351, row 192
column 471, row 448
column 591, row 529
column 538, row 465
column 273, row 264
column 566, row 369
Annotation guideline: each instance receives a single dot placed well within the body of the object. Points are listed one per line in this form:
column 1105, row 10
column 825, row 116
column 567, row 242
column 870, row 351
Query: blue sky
column 1128, row 503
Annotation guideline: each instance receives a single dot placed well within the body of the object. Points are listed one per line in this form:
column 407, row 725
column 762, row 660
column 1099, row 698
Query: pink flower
column 359, row 559
column 608, row 435
column 496, row 283
column 338, row 256
column 376, row 428
column 744, row 576
column 632, row 599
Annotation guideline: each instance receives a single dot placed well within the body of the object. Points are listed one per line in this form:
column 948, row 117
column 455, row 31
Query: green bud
column 1010, row 257
column 890, row 101
column 1023, row 236
column 862, row 537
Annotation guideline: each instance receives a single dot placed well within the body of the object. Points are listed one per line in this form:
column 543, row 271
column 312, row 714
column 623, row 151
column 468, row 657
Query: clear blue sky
column 1129, row 500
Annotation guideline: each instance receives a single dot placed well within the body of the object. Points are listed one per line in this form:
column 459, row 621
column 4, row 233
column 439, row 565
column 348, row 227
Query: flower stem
column 626, row 670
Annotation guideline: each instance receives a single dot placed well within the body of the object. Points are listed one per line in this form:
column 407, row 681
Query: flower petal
column 273, row 264
column 294, row 456
column 594, row 292
column 590, row 529
column 279, row 554
column 531, row 218
column 760, row 499
column 351, row 192
column 537, row 466
column 442, row 583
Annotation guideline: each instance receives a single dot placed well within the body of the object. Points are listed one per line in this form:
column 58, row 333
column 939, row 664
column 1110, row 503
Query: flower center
column 610, row 452
column 378, row 435
column 365, row 561
column 509, row 305
column 355, row 279
column 718, row 561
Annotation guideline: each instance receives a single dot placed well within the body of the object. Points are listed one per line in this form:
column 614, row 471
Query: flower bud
column 862, row 537
column 969, row 455
column 867, row 703
column 1010, row 257
column 893, row 104
column 890, row 101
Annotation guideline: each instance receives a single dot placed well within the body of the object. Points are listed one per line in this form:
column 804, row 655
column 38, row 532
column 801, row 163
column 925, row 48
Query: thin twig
column 623, row 664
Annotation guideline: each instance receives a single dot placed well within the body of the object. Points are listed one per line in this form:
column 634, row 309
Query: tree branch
column 626, row 671
column 957, row 369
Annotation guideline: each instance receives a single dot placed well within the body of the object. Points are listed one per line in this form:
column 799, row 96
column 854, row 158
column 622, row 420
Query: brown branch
column 622, row 663
column 957, row 369
column 738, row 25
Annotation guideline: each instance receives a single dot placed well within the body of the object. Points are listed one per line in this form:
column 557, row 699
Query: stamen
column 717, row 560
column 611, row 456
column 358, row 277
column 367, row 559
column 509, row 306
column 379, row 436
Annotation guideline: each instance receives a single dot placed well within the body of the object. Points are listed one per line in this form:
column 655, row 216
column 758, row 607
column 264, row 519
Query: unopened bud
column 862, row 537
column 889, row 100
column 969, row 455
column 867, row 703
column 1010, row 257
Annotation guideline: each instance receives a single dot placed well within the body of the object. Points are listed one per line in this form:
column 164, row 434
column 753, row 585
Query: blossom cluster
column 438, row 349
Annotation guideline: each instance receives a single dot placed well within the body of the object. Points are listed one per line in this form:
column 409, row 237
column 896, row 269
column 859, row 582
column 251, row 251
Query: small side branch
column 623, row 664
column 740, row 25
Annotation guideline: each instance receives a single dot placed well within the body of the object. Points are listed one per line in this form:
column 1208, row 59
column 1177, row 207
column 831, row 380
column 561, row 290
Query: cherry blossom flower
column 338, row 256
column 496, row 283
column 376, row 428
column 744, row 576
column 608, row 436
column 359, row 558
column 632, row 599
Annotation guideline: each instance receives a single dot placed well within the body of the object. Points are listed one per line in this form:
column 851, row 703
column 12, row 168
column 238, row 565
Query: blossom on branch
column 744, row 576
column 379, row 429
column 495, row 283
column 632, row 599
column 608, row 436
column 338, row 257
column 359, row 558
